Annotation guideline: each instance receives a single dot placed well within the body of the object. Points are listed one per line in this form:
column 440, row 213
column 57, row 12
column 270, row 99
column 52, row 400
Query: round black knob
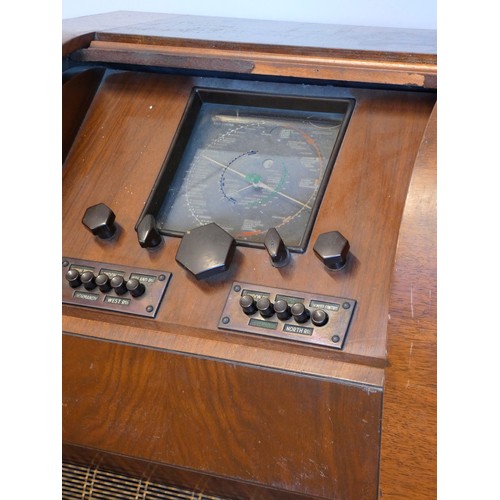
column 73, row 278
column 332, row 248
column 135, row 287
column 276, row 248
column 319, row 317
column 100, row 221
column 299, row 312
column 88, row 280
column 118, row 285
column 103, row 282
column 265, row 307
column 247, row 303
column 282, row 310
column 147, row 232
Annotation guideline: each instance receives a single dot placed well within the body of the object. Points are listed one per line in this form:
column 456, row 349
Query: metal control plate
column 147, row 305
column 333, row 334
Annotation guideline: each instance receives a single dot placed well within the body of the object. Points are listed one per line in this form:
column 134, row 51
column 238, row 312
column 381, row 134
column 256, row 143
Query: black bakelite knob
column 299, row 312
column 265, row 307
column 118, row 285
column 247, row 303
column 73, row 278
column 282, row 309
column 147, row 232
column 103, row 282
column 100, row 221
column 276, row 248
column 332, row 248
column 88, row 280
column 206, row 251
column 319, row 317
column 135, row 287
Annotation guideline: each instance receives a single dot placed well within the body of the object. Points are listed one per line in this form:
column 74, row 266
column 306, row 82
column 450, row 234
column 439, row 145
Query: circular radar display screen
column 250, row 162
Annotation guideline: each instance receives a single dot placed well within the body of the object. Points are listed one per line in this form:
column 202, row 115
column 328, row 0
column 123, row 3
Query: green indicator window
column 112, row 273
column 289, row 300
column 255, row 294
column 268, row 325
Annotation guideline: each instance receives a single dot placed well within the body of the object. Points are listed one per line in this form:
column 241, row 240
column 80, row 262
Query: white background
column 388, row 13
column 468, row 225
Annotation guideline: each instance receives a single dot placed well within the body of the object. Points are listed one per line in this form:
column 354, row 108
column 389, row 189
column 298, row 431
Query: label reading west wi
column 119, row 301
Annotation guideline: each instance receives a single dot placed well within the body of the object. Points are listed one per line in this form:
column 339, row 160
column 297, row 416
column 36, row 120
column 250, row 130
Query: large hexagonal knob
column 206, row 251
column 100, row 221
column 332, row 249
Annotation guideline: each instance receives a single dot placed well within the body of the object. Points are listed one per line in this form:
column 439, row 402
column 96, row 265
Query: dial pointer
column 258, row 184
column 269, row 188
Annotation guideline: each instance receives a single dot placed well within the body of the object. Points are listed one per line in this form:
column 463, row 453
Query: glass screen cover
column 252, row 167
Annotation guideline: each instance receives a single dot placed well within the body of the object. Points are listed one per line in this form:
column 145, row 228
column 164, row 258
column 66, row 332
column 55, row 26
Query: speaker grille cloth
column 92, row 483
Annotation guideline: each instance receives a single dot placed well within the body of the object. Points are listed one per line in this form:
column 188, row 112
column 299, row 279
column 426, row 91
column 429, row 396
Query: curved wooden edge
column 408, row 454
column 325, row 52
column 78, row 32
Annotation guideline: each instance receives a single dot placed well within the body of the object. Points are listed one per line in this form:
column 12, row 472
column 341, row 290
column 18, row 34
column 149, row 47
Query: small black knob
column 332, row 248
column 135, row 287
column 282, row 310
column 247, row 303
column 300, row 313
column 265, row 307
column 118, row 284
column 103, row 282
column 100, row 221
column 73, row 278
column 276, row 248
column 319, row 317
column 147, row 232
column 88, row 280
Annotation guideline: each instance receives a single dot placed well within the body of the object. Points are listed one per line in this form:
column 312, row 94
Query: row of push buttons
column 104, row 283
column 283, row 310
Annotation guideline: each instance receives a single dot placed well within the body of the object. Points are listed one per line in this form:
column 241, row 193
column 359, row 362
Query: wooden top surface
column 254, row 31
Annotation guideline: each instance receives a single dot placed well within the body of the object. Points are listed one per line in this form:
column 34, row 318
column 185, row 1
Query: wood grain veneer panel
column 119, row 152
column 409, row 459
column 307, row 435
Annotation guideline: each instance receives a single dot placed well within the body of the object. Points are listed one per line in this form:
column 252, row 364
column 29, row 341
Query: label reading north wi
column 301, row 330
